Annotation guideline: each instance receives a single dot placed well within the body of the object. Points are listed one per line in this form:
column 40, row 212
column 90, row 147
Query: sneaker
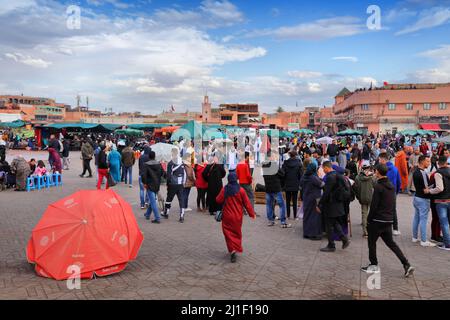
column 271, row 224
column 427, row 244
column 444, row 247
column 156, row 221
column 181, row 219
column 437, row 240
column 408, row 270
column 286, row 225
column 187, row 210
column 415, row 240
column 142, row 207
column 165, row 216
column 345, row 244
column 81, row 176
column 396, row 233
column 130, row 186
column 233, row 257
column 276, row 218
column 147, row 217
column 328, row 249
column 371, row 268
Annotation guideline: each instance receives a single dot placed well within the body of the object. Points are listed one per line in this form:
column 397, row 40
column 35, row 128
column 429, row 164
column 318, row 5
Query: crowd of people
column 323, row 177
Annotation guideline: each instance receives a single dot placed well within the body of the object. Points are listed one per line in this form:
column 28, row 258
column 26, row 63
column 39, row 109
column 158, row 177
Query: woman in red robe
column 235, row 199
column 402, row 166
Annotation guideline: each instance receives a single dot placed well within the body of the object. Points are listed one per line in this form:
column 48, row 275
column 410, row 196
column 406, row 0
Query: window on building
column 227, row 118
column 442, row 106
column 427, row 106
column 391, row 106
column 364, row 107
column 409, row 106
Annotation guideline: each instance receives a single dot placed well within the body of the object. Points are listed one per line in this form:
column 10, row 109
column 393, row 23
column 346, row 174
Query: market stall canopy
column 148, row 126
column 412, row 132
column 14, row 124
column 130, row 132
column 303, row 131
column 190, row 130
column 83, row 126
column 350, row 132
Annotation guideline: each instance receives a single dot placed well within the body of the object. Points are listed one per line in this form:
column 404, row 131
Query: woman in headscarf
column 114, row 160
column 402, row 165
column 213, row 174
column 21, row 168
column 56, row 160
column 234, row 200
column 311, row 187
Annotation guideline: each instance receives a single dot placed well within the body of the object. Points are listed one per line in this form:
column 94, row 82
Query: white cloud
column 28, row 60
column 316, row 30
column 305, row 74
column 116, row 3
column 8, row 6
column 222, row 10
column 430, row 18
column 349, row 59
column 440, row 73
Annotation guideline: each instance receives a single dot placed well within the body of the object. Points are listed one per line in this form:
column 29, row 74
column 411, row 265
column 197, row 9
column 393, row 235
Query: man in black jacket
column 333, row 150
column 151, row 178
column 380, row 220
column 332, row 207
column 272, row 179
column 292, row 174
column 143, row 195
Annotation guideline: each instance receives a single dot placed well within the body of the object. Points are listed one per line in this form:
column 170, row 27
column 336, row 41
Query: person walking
column 102, row 167
column 333, row 151
column 381, row 217
column 292, row 174
column 190, row 180
column 272, row 179
column 332, row 207
column 421, row 202
column 234, row 200
column 176, row 178
column 87, row 152
column 311, row 189
column 65, row 154
column 56, row 160
column 213, row 174
column 151, row 175
column 394, row 177
column 245, row 178
column 363, row 189
column 143, row 194
column 128, row 161
column 201, row 185
column 441, row 196
column 114, row 160
column 402, row 167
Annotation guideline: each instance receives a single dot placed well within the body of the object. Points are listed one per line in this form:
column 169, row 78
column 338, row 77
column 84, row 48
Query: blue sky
column 146, row 55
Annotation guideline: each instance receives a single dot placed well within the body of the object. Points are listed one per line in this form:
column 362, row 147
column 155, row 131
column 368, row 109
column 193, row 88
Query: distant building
column 394, row 108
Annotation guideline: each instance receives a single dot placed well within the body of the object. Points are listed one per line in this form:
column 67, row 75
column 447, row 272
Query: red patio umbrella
column 93, row 229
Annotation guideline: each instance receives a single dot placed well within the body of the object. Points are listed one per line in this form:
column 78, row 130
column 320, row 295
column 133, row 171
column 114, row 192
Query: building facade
column 239, row 114
column 393, row 108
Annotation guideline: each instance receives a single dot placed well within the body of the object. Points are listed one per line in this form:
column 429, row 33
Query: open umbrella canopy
column 409, row 132
column 325, row 140
column 14, row 124
column 286, row 134
column 93, row 230
column 426, row 132
column 445, row 140
column 130, row 132
column 163, row 151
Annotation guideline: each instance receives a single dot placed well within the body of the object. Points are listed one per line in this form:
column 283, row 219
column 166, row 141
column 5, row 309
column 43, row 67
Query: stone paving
column 190, row 261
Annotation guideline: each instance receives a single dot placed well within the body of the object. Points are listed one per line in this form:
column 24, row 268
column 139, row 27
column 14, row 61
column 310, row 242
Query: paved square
column 190, row 260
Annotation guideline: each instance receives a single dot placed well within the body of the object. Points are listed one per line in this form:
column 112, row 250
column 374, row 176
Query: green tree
column 280, row 109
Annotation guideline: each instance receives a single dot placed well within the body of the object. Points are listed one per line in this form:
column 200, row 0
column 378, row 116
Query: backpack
column 344, row 192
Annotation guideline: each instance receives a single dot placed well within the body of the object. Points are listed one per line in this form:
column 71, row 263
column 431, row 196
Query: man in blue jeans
column 272, row 179
column 441, row 195
column 421, row 202
column 151, row 178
